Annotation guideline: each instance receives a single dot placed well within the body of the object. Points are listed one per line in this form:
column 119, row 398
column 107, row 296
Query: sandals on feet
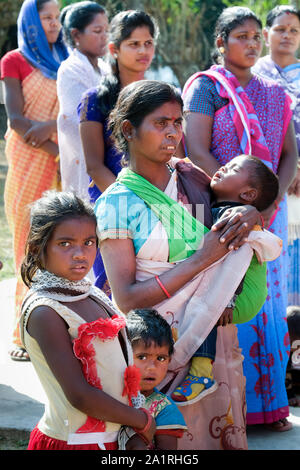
column 17, row 353
column 185, row 389
column 281, row 425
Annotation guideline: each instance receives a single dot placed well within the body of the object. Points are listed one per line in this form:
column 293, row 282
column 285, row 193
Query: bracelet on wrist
column 147, row 425
column 162, row 287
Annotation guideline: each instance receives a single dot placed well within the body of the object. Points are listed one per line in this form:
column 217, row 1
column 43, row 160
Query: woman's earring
column 221, row 50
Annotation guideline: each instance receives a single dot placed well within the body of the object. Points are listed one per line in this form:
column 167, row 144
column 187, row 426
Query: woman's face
column 49, row 16
column 135, row 53
column 92, row 41
column 284, row 35
column 158, row 136
column 243, row 46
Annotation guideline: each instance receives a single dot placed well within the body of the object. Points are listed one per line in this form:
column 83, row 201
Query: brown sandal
column 281, row 425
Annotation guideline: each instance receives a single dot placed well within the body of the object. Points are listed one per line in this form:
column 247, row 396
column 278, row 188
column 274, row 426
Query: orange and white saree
column 30, row 172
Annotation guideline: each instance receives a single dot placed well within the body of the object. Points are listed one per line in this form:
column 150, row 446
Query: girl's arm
column 31, row 131
column 91, row 133
column 50, row 331
column 197, row 137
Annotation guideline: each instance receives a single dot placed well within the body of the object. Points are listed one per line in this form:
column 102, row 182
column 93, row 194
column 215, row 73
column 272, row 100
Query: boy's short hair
column 264, row 180
column 293, row 320
column 148, row 326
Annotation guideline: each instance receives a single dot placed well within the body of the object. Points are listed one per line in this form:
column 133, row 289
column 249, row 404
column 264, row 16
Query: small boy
column 153, row 345
column 292, row 379
column 244, row 180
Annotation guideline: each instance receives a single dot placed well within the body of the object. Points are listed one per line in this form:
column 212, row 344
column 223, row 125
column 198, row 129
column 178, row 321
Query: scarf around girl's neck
column 33, row 43
column 184, row 231
column 44, row 281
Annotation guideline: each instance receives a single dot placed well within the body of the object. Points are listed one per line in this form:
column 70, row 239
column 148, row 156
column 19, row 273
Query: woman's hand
column 226, row 317
column 236, row 224
column 268, row 213
column 295, row 186
column 148, row 435
column 39, row 133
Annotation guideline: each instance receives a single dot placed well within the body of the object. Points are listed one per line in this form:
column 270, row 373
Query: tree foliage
column 186, row 26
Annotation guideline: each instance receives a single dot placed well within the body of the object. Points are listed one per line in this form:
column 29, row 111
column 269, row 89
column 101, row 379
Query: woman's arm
column 50, row 331
column 91, row 133
column 130, row 294
column 31, row 131
column 197, row 136
column 287, row 169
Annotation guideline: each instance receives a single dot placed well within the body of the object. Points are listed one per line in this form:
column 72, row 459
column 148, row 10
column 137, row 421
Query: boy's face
column 231, row 180
column 153, row 363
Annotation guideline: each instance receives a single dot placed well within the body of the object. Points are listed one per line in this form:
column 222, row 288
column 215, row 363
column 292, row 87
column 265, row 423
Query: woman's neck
column 243, row 75
column 92, row 59
column 283, row 60
column 128, row 76
column 157, row 174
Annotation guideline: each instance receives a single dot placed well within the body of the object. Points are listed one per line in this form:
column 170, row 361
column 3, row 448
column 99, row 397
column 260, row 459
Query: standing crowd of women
column 69, row 109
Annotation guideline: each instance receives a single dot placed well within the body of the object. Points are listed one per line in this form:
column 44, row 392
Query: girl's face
column 71, row 250
column 244, row 45
column 158, row 136
column 284, row 35
column 49, row 16
column 92, row 41
column 136, row 52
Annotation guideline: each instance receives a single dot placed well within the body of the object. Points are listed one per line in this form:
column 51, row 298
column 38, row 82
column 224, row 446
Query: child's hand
column 226, row 317
column 136, row 443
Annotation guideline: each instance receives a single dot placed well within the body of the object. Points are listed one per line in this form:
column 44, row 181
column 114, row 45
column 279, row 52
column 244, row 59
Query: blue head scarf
column 33, row 43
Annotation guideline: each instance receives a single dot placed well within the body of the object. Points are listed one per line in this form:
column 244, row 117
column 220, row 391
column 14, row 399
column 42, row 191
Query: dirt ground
column 12, row 439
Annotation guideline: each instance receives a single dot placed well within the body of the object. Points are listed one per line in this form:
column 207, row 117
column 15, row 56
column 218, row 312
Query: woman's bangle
column 148, row 424
column 262, row 221
column 162, row 287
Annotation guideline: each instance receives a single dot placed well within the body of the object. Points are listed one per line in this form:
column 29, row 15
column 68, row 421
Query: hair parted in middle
column 135, row 102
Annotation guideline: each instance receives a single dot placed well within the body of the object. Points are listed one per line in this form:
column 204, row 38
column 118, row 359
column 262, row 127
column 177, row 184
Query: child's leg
column 200, row 376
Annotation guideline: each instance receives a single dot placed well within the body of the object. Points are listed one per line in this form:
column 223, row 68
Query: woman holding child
column 229, row 111
column 164, row 253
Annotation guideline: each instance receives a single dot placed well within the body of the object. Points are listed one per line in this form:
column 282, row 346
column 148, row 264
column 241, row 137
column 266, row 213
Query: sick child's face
column 71, row 250
column 153, row 363
column 230, row 180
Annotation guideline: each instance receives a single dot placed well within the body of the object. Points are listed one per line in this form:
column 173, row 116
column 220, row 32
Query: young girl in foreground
column 74, row 335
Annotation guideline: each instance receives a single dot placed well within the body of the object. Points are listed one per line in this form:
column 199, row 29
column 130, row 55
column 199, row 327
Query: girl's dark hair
column 229, row 19
column 135, row 102
column 121, row 27
column 45, row 215
column 281, row 10
column 148, row 326
column 40, row 4
column 78, row 16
